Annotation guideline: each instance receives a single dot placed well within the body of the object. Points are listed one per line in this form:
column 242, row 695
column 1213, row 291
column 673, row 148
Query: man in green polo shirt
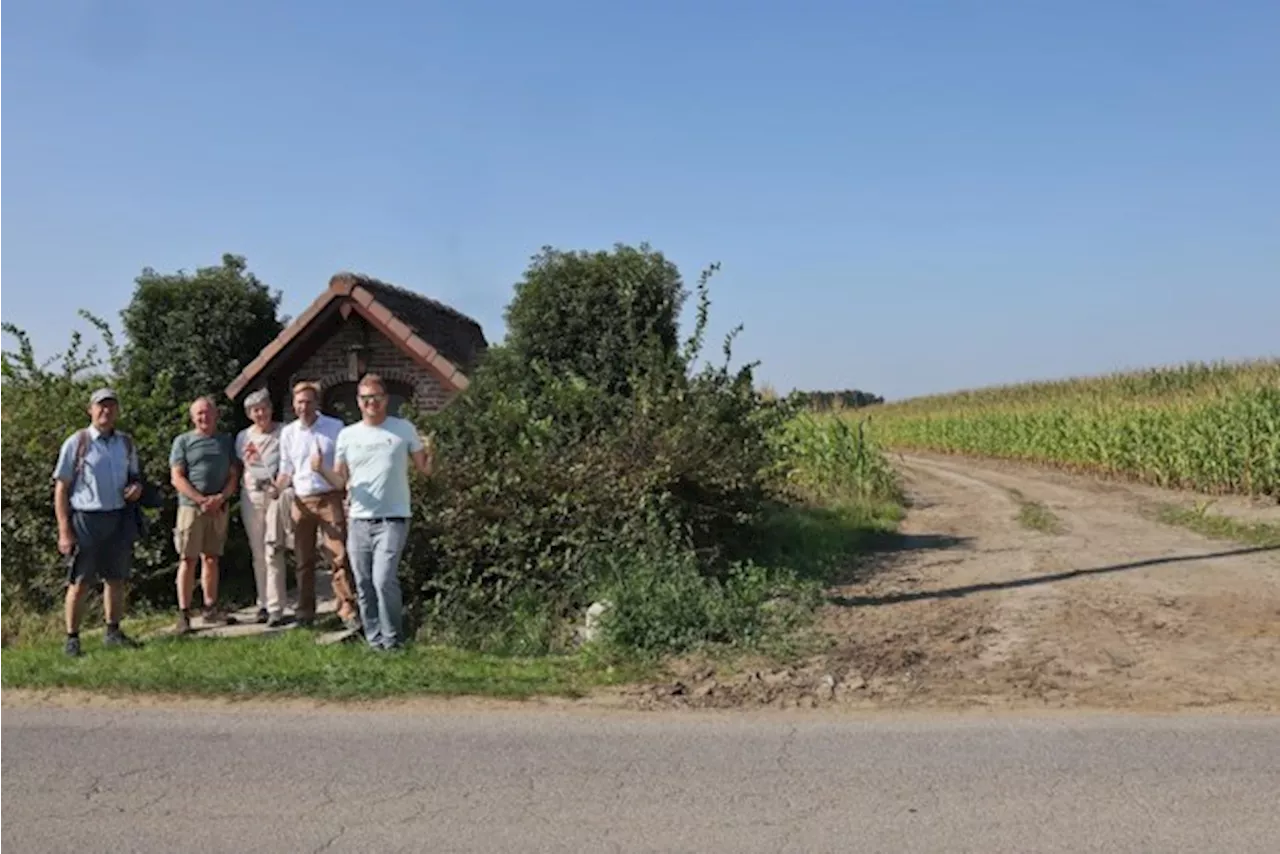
column 204, row 469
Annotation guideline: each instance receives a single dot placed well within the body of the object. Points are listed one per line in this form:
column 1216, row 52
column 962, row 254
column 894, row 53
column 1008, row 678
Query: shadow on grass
column 886, row 550
column 894, row 543
column 841, row 544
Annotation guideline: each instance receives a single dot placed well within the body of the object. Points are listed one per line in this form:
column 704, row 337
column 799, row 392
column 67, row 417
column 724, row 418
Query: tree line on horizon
column 825, row 401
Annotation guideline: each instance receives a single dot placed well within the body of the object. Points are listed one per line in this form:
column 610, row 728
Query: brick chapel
column 358, row 325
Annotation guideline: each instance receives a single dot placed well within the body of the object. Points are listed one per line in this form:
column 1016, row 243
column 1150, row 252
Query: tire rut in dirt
column 973, row 609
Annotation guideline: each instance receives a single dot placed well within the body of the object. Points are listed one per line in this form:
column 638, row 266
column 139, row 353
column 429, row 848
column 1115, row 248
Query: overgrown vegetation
column 187, row 335
column 1214, row 428
column 592, row 460
column 1035, row 516
column 43, row 403
column 596, row 456
column 1200, row 520
column 832, row 461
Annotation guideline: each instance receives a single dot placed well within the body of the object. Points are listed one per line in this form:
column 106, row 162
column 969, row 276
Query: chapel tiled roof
column 438, row 337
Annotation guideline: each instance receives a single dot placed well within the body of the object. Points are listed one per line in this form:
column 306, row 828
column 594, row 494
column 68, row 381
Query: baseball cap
column 103, row 394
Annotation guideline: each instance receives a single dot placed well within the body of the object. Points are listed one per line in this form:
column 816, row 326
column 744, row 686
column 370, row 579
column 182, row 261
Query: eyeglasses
column 372, row 398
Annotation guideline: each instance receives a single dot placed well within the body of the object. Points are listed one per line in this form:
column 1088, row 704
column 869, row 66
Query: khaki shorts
column 199, row 533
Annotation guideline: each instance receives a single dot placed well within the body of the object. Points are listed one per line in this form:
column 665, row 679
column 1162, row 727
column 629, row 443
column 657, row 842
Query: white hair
column 258, row 397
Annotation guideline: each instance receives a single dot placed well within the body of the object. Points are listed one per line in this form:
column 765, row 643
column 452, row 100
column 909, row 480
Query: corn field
column 830, row 459
column 1213, row 428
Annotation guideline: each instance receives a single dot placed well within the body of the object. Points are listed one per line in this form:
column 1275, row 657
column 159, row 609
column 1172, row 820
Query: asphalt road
column 223, row 779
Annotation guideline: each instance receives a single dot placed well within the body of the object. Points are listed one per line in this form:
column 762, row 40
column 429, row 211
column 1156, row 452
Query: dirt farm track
column 1108, row 609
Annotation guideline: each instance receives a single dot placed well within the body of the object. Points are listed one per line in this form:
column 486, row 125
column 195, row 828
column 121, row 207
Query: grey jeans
column 374, row 547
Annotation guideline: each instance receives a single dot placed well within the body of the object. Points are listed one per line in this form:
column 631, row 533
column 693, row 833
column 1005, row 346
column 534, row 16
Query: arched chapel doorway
column 340, row 400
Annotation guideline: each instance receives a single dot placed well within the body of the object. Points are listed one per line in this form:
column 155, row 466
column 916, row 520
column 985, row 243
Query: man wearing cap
column 95, row 481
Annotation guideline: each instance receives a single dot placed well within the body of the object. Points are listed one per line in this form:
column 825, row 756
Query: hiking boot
column 72, row 648
column 263, row 616
column 214, row 615
column 115, row 637
column 183, row 626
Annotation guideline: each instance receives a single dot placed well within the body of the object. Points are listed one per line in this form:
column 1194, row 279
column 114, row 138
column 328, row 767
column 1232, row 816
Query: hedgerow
column 595, row 456
column 588, row 434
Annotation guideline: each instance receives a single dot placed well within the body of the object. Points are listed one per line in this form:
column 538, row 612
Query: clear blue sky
column 906, row 197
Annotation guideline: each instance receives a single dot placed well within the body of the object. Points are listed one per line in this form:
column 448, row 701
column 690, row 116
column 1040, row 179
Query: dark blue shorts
column 104, row 546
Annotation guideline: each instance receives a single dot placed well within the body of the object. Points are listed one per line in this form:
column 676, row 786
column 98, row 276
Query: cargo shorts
column 104, row 547
column 197, row 533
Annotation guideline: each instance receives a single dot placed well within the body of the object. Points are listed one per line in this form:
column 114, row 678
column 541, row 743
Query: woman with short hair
column 258, row 448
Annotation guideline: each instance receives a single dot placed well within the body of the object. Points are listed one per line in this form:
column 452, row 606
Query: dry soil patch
column 1113, row 611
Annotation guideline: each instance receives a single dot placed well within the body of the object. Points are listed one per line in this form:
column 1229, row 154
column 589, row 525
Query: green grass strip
column 292, row 664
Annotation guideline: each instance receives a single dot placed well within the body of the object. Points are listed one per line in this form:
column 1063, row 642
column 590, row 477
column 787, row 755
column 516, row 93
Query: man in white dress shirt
column 317, row 505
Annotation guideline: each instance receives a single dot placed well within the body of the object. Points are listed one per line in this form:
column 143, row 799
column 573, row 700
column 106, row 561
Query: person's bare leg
column 72, row 606
column 186, row 589
column 186, row 582
column 113, row 601
column 209, row 580
column 113, row 605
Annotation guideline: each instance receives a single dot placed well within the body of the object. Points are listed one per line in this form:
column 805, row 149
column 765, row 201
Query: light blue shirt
column 377, row 461
column 105, row 473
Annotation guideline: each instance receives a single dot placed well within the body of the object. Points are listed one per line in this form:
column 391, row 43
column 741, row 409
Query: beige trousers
column 325, row 514
column 268, row 557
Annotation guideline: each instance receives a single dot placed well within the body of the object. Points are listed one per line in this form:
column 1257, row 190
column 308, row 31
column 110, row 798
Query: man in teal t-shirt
column 371, row 459
column 207, row 460
column 204, row 470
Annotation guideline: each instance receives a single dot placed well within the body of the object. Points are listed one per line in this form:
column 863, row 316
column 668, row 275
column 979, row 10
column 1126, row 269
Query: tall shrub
column 43, row 403
column 585, row 434
column 190, row 334
column 187, row 335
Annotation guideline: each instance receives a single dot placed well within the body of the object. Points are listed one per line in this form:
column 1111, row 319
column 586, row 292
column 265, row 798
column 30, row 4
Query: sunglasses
column 372, row 398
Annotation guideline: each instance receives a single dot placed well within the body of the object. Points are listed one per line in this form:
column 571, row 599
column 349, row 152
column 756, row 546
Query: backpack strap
column 82, row 450
column 128, row 455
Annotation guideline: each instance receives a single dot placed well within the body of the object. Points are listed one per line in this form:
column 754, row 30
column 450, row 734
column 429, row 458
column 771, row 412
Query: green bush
column 580, row 436
column 661, row 602
column 827, row 401
column 188, row 335
column 43, row 404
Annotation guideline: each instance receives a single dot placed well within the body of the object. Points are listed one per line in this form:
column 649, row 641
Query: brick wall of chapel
column 329, row 366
